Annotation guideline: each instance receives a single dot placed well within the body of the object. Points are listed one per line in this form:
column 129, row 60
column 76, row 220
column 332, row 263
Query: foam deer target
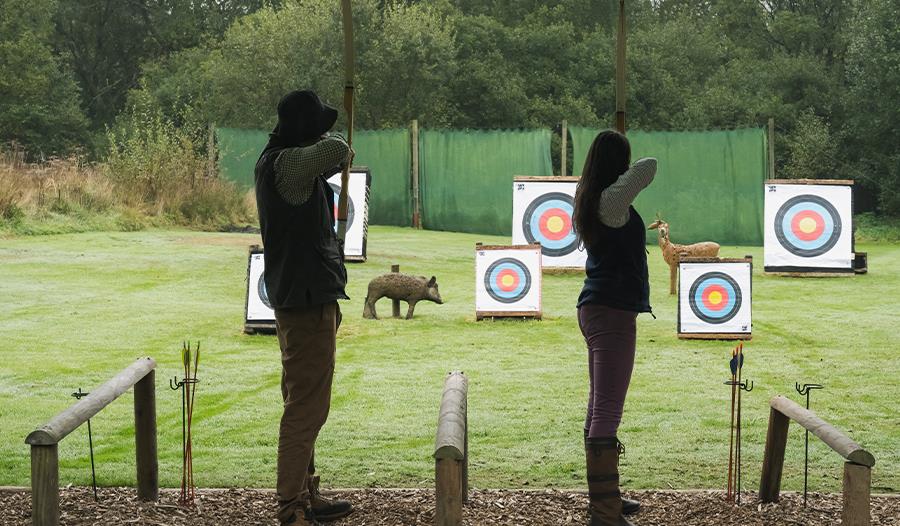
column 673, row 252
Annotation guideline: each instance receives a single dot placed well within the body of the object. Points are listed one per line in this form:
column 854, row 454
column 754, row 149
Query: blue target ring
column 350, row 209
column 507, row 280
column 548, row 221
column 715, row 297
column 807, row 226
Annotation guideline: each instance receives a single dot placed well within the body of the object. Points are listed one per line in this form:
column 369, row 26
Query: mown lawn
column 78, row 308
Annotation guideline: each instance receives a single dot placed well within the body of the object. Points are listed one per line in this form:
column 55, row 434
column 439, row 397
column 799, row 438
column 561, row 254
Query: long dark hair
column 608, row 158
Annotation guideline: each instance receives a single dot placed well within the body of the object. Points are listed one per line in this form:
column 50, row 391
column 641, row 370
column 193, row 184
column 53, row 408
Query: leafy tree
column 39, row 103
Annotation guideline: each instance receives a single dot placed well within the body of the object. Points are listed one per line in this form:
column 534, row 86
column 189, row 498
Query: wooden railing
column 857, row 469
column 44, row 440
column 451, row 452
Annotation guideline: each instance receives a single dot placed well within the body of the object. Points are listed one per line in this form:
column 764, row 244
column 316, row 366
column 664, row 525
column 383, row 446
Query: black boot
column 629, row 506
column 324, row 509
column 603, row 482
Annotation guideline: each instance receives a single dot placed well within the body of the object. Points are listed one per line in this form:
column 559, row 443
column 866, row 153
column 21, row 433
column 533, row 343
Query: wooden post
column 620, row 70
column 857, row 481
column 771, row 141
column 564, row 150
column 211, row 151
column 44, row 485
column 773, row 457
column 395, row 304
column 145, row 438
column 448, row 482
column 416, row 218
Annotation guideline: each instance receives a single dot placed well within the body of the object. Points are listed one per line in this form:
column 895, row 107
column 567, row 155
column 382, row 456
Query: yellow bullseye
column 715, row 297
column 555, row 224
column 807, row 225
column 507, row 280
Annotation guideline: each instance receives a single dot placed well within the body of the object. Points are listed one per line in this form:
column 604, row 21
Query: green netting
column 467, row 176
column 709, row 184
column 385, row 152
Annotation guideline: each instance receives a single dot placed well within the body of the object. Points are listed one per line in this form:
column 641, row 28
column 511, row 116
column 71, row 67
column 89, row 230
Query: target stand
column 258, row 314
column 357, row 211
column 507, row 281
column 714, row 298
column 542, row 213
column 809, row 229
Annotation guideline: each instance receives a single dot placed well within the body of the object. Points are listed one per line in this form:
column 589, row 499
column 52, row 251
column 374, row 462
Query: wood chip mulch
column 381, row 507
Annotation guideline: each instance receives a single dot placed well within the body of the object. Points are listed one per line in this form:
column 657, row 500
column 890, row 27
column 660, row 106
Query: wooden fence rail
column 44, row 440
column 451, row 452
column 857, row 469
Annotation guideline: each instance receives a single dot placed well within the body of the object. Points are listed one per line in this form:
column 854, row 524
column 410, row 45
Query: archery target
column 715, row 298
column 508, row 279
column 258, row 307
column 542, row 213
column 808, row 227
column 357, row 210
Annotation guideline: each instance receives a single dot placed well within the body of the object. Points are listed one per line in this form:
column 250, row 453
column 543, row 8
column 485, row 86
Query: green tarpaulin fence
column 466, row 177
column 708, row 186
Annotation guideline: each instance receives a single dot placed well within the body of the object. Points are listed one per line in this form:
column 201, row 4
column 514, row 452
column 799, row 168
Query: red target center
column 715, row 297
column 555, row 224
column 807, row 225
column 507, row 280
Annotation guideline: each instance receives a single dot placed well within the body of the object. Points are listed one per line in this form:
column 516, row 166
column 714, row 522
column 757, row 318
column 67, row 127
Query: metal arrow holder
column 78, row 395
column 188, row 392
column 745, row 385
column 804, row 391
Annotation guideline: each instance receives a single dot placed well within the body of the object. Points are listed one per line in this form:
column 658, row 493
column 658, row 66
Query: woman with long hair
column 615, row 291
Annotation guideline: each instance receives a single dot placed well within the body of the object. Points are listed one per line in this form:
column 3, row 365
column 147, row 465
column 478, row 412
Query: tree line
column 827, row 71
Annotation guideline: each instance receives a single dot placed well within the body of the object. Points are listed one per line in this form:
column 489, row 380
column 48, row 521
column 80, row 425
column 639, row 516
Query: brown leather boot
column 603, row 482
column 304, row 518
column 326, row 510
column 629, row 506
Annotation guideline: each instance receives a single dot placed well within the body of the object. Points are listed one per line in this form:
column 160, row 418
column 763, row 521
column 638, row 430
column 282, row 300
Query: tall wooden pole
column 564, row 148
column 620, row 70
column 417, row 217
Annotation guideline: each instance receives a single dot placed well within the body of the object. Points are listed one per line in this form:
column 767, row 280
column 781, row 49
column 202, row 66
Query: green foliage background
column 827, row 71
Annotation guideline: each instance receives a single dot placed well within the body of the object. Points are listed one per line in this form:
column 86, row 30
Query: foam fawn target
column 507, row 280
column 807, row 225
column 548, row 221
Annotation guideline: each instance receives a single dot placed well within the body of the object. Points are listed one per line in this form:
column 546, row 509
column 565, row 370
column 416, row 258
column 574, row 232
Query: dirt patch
column 375, row 507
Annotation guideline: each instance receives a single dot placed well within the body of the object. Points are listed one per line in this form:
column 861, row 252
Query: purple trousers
column 610, row 336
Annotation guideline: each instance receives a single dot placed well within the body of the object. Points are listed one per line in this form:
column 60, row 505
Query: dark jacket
column 616, row 268
column 304, row 259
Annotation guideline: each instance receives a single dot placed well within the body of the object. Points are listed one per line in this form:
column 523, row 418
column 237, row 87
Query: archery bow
column 620, row 70
column 348, row 107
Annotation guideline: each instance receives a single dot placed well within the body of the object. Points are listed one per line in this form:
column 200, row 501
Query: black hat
column 302, row 116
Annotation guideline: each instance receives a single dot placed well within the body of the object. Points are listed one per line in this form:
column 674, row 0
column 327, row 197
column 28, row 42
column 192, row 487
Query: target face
column 548, row 221
column 357, row 210
column 714, row 298
column 507, row 280
column 808, row 227
column 258, row 307
column 542, row 213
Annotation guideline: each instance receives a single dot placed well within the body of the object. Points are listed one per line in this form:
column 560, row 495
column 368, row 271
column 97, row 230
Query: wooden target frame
column 357, row 211
column 542, row 213
column 731, row 279
column 808, row 228
column 524, row 298
column 258, row 314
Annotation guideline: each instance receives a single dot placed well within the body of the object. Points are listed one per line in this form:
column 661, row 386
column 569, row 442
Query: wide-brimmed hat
column 303, row 116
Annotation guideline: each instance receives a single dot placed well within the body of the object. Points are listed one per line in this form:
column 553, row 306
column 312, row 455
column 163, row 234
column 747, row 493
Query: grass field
column 80, row 307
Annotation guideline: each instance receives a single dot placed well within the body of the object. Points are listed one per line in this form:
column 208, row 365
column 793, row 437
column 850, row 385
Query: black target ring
column 351, row 210
column 727, row 284
column 532, row 227
column 507, row 266
column 788, row 239
column 262, row 291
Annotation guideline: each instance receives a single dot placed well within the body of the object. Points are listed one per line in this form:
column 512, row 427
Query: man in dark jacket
column 305, row 276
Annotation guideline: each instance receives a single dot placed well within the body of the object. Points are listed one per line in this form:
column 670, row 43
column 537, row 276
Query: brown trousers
column 307, row 340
